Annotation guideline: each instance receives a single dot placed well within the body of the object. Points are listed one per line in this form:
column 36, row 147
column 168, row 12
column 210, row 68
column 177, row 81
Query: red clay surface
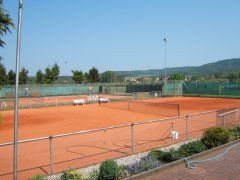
column 81, row 150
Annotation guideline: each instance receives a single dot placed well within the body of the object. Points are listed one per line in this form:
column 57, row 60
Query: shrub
column 235, row 132
column 215, row 136
column 108, row 170
column 93, row 175
column 145, row 164
column 37, row 177
column 71, row 175
column 164, row 156
column 169, row 156
column 122, row 171
column 191, row 148
column 155, row 154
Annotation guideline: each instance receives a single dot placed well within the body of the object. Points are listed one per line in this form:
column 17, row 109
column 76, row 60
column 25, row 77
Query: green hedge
column 215, row 136
column 191, row 148
column 108, row 170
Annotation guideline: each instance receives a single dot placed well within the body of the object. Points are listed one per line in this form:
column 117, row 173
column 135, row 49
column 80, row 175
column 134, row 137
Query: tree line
column 50, row 75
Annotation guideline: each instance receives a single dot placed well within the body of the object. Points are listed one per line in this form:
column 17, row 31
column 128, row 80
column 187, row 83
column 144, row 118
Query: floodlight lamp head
column 165, row 39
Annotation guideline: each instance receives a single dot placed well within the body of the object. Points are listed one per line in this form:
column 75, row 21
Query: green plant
column 122, row 171
column 215, row 136
column 191, row 148
column 169, row 156
column 71, row 175
column 108, row 170
column 235, row 132
column 93, row 175
column 164, row 156
column 156, row 154
column 37, row 177
column 146, row 163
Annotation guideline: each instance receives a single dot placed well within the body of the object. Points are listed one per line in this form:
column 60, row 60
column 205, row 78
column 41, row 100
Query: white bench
column 103, row 100
column 78, row 101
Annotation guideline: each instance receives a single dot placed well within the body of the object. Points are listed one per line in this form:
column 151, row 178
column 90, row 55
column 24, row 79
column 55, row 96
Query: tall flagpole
column 15, row 152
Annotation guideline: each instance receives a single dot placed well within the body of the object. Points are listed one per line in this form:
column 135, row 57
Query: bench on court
column 78, row 101
column 103, row 100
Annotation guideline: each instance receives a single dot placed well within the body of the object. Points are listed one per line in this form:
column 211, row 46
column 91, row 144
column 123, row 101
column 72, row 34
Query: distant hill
column 223, row 66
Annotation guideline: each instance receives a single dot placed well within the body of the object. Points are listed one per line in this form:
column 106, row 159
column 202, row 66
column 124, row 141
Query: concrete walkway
column 224, row 168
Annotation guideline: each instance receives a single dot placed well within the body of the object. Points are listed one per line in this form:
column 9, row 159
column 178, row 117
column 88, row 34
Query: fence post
column 51, row 158
column 56, row 101
column 187, row 127
column 172, row 126
column 224, row 121
column 132, row 132
column 30, row 103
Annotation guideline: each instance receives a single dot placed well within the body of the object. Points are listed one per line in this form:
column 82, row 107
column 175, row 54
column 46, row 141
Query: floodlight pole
column 15, row 154
column 165, row 69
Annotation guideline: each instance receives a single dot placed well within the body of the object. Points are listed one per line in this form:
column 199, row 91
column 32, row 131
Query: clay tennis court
column 90, row 148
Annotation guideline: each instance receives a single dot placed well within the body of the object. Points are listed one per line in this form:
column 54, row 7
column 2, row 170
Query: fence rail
column 54, row 153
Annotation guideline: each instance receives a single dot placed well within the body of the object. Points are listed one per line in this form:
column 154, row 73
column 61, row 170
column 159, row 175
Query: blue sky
column 122, row 34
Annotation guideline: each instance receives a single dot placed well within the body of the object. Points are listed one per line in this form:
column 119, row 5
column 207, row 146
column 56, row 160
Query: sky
column 121, row 35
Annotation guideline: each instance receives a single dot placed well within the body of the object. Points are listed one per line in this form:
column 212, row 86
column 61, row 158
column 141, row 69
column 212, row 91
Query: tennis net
column 163, row 109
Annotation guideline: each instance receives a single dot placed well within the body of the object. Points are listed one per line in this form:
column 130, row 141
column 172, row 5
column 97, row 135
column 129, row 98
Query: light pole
column 15, row 152
column 165, row 69
column 65, row 62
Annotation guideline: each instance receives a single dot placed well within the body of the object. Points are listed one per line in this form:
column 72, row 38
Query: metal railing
column 52, row 154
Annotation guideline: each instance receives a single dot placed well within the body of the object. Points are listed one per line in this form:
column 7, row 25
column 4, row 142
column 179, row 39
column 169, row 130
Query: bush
column 145, row 164
column 169, row 156
column 108, row 170
column 235, row 132
column 215, row 136
column 93, row 175
column 122, row 171
column 37, row 177
column 191, row 148
column 155, row 154
column 71, row 175
column 164, row 156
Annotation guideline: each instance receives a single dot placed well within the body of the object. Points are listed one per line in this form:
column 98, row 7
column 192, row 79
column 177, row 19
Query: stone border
column 178, row 162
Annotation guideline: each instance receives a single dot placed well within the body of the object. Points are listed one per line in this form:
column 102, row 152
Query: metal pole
column 187, row 127
column 224, row 121
column 16, row 89
column 165, row 69
column 132, row 132
column 51, row 158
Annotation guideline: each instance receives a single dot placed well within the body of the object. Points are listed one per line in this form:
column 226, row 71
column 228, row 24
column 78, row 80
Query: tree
column 86, row 76
column 233, row 76
column 178, row 77
column 11, row 77
column 47, row 77
column 108, row 77
column 77, row 76
column 51, row 74
column 93, row 75
column 5, row 23
column 23, row 76
column 2, row 74
column 39, row 77
column 55, row 71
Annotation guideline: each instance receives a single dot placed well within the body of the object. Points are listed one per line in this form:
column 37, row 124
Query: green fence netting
column 173, row 88
column 48, row 90
column 7, row 92
column 211, row 89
